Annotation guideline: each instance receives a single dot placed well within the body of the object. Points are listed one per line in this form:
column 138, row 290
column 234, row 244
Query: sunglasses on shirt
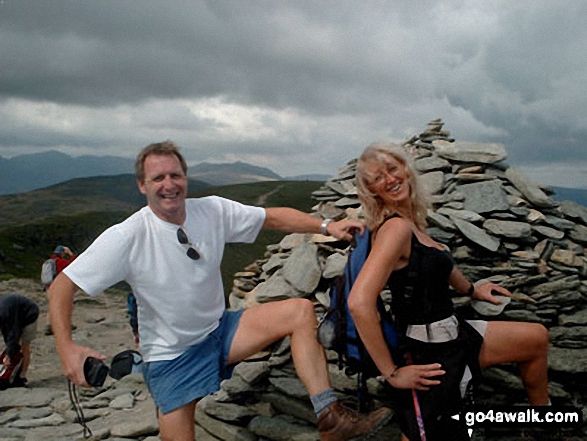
column 183, row 239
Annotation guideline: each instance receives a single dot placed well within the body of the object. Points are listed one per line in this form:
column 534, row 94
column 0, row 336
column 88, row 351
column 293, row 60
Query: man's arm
column 294, row 221
column 72, row 356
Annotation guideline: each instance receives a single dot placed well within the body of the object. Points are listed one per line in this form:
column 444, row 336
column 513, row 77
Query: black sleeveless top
column 420, row 291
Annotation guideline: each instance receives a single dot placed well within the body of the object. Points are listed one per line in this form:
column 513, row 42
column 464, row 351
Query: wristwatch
column 323, row 229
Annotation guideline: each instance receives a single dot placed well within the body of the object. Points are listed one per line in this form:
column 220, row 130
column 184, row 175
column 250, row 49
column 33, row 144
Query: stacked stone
column 499, row 225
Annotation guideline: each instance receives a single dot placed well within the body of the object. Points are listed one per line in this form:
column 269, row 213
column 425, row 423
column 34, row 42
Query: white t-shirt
column 179, row 300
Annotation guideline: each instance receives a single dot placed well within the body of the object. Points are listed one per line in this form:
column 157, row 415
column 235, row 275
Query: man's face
column 165, row 187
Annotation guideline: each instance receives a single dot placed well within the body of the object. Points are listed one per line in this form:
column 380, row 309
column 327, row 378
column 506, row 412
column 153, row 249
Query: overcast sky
column 299, row 86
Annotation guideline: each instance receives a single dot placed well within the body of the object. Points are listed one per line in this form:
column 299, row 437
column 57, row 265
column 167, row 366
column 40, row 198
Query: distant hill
column 231, row 173
column 104, row 193
column 577, row 195
column 39, row 170
column 76, row 212
column 316, row 178
column 296, row 194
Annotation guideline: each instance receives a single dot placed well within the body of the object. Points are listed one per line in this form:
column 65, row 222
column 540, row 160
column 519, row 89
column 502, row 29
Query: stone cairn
column 500, row 226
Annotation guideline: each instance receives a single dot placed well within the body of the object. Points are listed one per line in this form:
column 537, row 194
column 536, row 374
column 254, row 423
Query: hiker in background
column 18, row 323
column 133, row 319
column 61, row 257
column 395, row 211
column 170, row 254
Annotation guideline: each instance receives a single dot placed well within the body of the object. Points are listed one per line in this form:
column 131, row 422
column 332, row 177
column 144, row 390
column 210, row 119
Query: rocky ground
column 101, row 321
column 119, row 410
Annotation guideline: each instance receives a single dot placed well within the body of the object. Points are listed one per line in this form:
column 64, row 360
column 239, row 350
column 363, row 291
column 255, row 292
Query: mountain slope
column 77, row 196
column 76, row 212
column 233, row 173
column 39, row 170
column 578, row 195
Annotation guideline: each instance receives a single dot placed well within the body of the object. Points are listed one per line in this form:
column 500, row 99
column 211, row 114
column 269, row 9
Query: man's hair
column 375, row 209
column 165, row 148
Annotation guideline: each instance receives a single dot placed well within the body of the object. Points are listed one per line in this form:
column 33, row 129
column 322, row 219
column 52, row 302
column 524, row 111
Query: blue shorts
column 195, row 373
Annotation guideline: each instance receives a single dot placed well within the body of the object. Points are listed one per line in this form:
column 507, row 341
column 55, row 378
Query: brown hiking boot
column 339, row 423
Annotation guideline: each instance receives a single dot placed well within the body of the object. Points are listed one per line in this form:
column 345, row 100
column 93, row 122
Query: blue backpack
column 337, row 330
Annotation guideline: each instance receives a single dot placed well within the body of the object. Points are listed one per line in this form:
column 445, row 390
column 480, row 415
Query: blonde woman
column 395, row 211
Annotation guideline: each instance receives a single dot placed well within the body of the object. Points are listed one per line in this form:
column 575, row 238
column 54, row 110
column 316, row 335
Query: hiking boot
column 19, row 382
column 339, row 423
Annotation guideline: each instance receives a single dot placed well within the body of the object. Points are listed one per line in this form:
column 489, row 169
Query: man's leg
column 179, row 424
column 264, row 324
column 26, row 358
column 522, row 343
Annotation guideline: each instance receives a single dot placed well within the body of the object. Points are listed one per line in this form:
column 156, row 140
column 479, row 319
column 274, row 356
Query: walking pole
column 419, row 415
column 419, row 418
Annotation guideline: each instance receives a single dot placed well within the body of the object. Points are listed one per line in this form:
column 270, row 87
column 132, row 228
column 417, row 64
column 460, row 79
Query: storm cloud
column 299, row 87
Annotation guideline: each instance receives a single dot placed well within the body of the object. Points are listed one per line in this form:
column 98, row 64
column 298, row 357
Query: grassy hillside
column 30, row 239
column 78, row 196
column 294, row 194
column 23, row 248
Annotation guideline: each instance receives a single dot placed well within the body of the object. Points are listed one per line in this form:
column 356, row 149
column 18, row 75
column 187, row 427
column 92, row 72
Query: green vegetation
column 23, row 248
column 78, row 196
column 295, row 194
column 66, row 214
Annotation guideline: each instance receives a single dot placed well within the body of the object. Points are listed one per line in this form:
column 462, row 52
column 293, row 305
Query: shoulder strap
column 413, row 266
column 376, row 230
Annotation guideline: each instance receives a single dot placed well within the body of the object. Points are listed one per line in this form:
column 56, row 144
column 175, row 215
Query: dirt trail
column 262, row 200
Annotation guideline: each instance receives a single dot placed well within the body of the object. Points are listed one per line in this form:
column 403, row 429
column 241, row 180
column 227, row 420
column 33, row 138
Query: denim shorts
column 195, row 373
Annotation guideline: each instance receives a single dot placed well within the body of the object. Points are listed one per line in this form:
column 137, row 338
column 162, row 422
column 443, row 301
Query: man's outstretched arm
column 294, row 221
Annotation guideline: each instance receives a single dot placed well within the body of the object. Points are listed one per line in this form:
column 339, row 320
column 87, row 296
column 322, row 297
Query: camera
column 95, row 372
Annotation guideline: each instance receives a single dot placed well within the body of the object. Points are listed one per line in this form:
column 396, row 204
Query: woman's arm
column 483, row 291
column 391, row 245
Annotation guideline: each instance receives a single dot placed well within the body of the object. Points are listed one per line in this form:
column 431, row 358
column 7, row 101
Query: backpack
column 337, row 330
column 48, row 271
column 131, row 304
column 8, row 375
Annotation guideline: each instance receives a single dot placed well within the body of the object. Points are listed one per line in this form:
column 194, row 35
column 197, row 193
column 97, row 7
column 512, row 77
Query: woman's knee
column 541, row 339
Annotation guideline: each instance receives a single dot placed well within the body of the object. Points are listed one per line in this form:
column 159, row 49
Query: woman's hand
column 485, row 291
column 416, row 376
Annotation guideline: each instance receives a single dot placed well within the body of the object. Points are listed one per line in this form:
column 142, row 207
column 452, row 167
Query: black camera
column 95, row 372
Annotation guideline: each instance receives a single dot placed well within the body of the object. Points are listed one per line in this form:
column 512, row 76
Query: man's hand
column 344, row 229
column 72, row 361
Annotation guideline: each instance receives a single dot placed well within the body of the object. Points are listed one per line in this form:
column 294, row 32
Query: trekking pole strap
column 78, row 409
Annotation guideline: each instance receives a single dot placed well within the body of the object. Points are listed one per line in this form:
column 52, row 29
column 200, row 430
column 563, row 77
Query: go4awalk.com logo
column 542, row 417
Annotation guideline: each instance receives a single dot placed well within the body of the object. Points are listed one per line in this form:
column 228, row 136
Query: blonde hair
column 376, row 210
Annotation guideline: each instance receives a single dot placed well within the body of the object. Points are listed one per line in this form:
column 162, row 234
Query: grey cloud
column 502, row 71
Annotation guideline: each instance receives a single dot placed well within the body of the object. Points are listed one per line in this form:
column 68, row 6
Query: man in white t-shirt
column 170, row 253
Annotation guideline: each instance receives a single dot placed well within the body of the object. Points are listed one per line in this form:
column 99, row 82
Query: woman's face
column 388, row 180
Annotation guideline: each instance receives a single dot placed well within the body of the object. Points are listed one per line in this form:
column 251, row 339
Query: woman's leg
column 522, row 343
